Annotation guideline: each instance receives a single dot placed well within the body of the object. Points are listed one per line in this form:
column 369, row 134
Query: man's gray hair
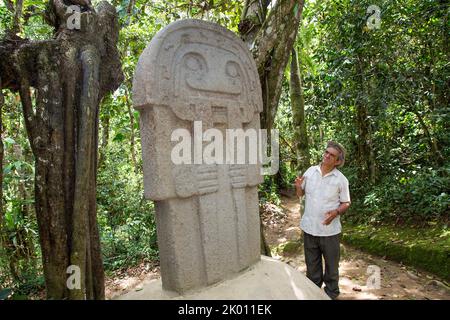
column 341, row 149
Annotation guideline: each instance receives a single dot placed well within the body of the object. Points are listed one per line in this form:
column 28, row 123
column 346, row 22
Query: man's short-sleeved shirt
column 323, row 194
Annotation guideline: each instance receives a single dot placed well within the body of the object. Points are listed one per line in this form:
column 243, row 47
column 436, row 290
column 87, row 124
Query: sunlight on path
column 397, row 281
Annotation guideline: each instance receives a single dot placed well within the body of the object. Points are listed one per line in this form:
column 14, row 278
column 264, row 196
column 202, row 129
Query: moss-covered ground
column 425, row 248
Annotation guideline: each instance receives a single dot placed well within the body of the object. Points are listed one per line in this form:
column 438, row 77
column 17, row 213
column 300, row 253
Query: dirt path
column 281, row 228
column 397, row 281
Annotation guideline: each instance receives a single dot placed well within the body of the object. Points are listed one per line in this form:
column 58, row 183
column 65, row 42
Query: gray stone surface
column 207, row 215
column 268, row 279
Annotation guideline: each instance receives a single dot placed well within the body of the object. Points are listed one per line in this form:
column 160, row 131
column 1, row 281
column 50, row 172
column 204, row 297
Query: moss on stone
column 288, row 248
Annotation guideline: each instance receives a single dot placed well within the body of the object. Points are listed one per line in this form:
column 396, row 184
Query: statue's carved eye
column 232, row 69
column 193, row 63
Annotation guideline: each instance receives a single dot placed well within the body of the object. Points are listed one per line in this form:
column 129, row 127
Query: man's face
column 331, row 157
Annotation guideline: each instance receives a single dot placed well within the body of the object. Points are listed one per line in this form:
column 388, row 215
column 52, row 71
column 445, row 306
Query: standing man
column 327, row 197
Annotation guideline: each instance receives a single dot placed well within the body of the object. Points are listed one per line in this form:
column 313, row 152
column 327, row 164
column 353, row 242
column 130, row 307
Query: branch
column 268, row 36
column 271, row 50
column 17, row 15
column 252, row 19
column 131, row 6
column 287, row 143
column 9, row 5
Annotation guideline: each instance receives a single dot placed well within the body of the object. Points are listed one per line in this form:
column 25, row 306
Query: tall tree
column 67, row 77
column 298, row 114
column 270, row 35
column 366, row 152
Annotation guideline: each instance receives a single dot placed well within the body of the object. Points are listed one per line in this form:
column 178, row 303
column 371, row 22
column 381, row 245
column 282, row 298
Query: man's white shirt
column 323, row 194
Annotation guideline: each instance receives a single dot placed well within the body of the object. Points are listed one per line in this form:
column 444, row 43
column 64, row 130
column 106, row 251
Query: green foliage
column 420, row 197
column 20, row 266
column 6, row 18
column 31, row 283
column 31, row 22
column 268, row 191
column 127, row 222
column 399, row 73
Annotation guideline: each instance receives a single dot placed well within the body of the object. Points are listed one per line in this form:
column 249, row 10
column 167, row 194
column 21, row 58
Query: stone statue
column 207, row 214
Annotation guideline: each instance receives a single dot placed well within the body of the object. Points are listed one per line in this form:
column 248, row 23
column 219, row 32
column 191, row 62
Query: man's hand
column 329, row 216
column 298, row 185
column 298, row 182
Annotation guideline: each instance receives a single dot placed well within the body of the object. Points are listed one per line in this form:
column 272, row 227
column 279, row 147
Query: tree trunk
column 252, row 19
column 265, row 249
column 132, row 138
column 270, row 39
column 17, row 15
column 298, row 115
column 366, row 151
column 105, row 138
column 436, row 154
column 23, row 248
column 365, row 147
column 69, row 75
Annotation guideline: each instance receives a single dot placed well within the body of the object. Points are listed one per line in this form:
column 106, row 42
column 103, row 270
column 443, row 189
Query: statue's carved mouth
column 214, row 84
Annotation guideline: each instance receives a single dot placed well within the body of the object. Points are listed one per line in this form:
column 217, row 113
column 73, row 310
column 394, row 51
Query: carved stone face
column 199, row 70
column 207, row 71
column 213, row 78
